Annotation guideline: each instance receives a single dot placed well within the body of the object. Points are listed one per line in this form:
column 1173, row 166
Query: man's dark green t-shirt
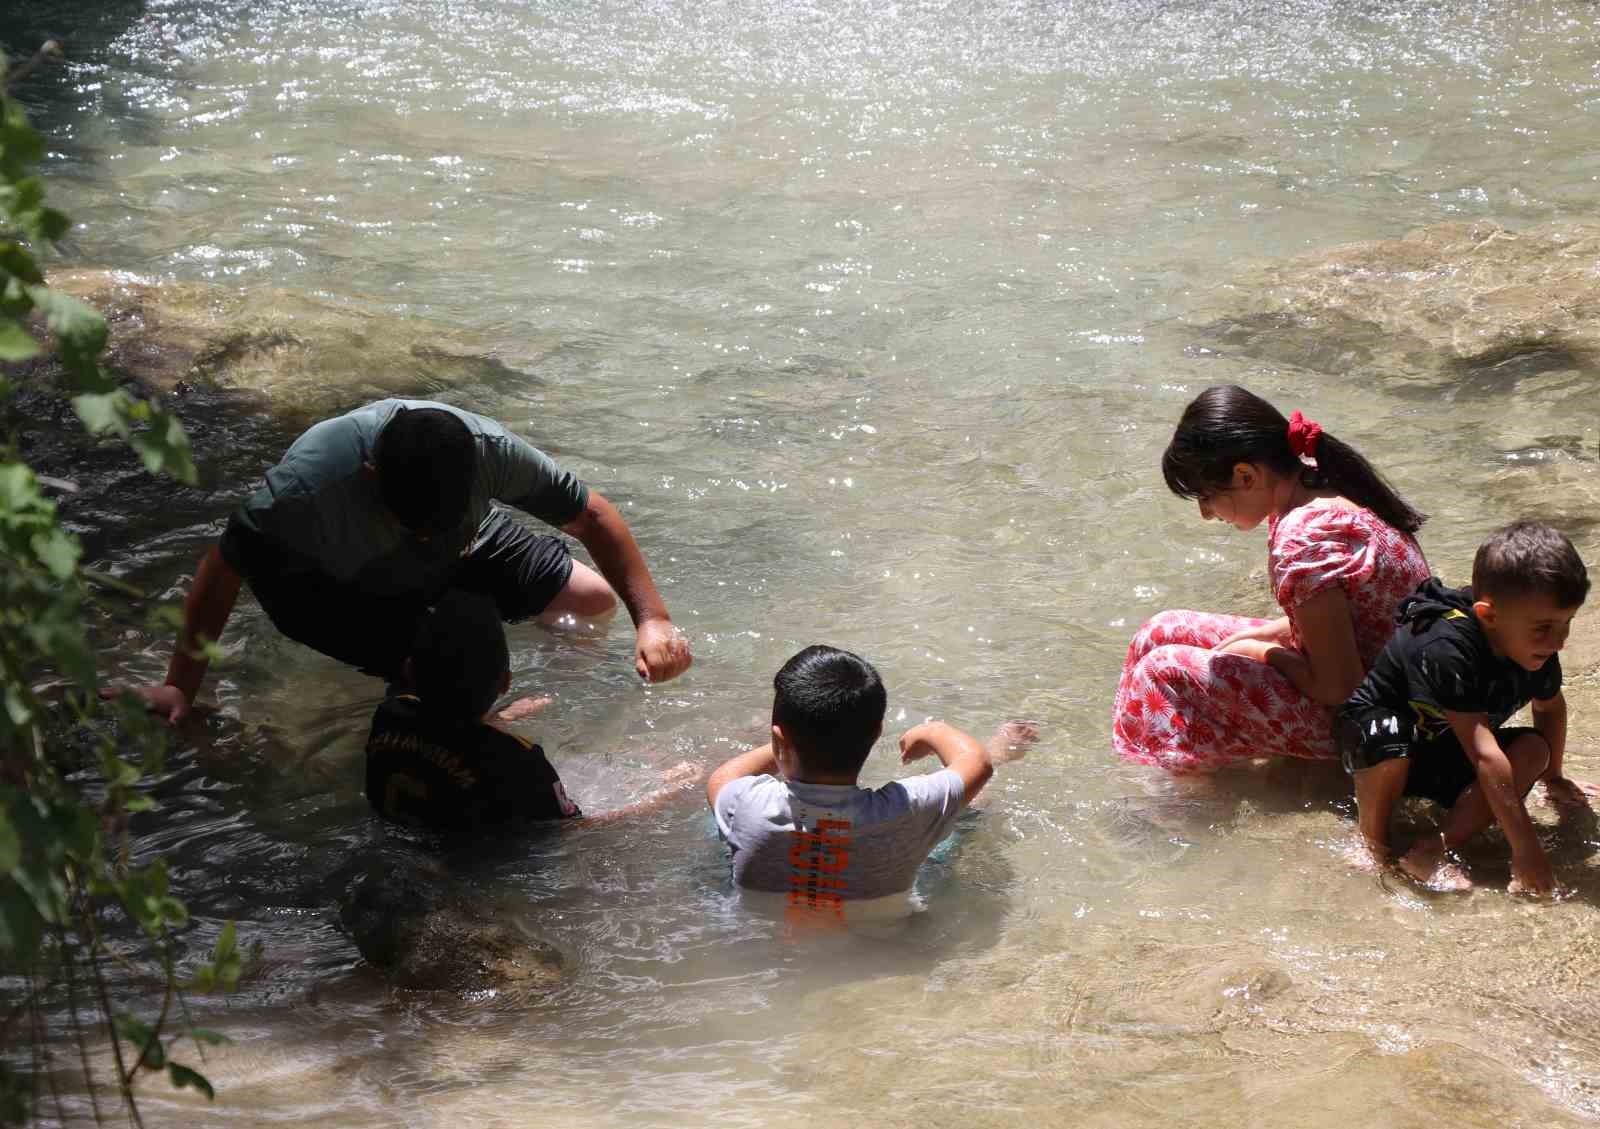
column 319, row 511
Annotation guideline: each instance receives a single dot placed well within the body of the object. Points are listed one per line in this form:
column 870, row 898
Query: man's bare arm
column 205, row 614
column 661, row 651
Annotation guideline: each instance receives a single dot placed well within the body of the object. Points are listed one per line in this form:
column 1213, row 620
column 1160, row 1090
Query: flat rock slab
column 1445, row 301
column 303, row 355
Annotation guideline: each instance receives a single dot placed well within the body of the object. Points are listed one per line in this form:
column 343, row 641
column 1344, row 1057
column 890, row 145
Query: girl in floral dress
column 1201, row 690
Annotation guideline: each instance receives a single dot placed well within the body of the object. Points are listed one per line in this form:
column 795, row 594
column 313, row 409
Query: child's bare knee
column 1530, row 751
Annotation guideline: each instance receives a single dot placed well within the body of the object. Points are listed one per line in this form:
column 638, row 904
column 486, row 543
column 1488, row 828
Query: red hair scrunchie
column 1303, row 434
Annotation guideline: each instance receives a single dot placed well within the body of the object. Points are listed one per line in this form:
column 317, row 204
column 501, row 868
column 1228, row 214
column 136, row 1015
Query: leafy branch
column 66, row 874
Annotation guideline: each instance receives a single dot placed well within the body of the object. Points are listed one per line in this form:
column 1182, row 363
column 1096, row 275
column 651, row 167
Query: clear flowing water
column 870, row 314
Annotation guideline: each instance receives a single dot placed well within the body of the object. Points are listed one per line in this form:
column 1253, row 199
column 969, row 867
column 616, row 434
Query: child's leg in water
column 1377, row 790
column 675, row 782
column 1428, row 862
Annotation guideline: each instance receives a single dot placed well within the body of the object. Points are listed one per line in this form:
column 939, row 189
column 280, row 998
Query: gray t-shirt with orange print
column 825, row 844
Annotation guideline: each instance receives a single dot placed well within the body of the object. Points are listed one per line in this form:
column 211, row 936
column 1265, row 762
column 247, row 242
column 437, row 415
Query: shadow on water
column 57, row 94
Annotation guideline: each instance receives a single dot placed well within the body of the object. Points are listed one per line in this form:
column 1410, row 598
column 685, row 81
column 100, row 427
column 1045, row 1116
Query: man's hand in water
column 166, row 702
column 661, row 651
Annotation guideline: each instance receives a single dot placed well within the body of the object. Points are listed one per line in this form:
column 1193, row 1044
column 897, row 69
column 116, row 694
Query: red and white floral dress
column 1185, row 708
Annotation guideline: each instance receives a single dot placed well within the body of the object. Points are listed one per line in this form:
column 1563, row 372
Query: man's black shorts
column 522, row 571
column 1440, row 770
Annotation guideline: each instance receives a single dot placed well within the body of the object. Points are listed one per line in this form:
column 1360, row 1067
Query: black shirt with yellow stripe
column 453, row 775
column 1440, row 660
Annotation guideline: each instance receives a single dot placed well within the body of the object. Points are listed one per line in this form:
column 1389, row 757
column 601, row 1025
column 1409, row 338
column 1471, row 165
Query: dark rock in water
column 1450, row 302
column 423, row 932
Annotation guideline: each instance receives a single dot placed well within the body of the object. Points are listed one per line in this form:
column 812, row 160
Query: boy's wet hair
column 1529, row 558
column 426, row 458
column 460, row 658
column 830, row 705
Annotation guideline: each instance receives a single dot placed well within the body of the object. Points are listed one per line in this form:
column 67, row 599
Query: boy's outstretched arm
column 956, row 750
column 1550, row 719
column 1530, row 869
column 757, row 762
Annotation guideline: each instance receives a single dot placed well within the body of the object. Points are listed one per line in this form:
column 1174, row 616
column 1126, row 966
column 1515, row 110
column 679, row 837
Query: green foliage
column 65, row 873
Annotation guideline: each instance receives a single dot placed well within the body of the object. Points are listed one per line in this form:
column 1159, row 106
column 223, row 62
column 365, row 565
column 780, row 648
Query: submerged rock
column 424, row 933
column 1448, row 301
column 306, row 357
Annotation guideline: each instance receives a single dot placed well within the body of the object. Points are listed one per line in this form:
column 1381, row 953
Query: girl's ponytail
column 1342, row 467
column 1226, row 425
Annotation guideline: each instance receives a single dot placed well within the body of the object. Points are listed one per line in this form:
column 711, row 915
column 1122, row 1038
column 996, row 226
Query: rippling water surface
column 872, row 316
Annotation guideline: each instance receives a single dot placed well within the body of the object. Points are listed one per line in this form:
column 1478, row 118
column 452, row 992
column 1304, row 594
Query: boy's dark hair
column 1527, row 558
column 426, row 458
column 1226, row 425
column 460, row 657
column 830, row 704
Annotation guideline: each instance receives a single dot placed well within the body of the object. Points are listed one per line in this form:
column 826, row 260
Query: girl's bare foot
column 1431, row 865
column 1012, row 741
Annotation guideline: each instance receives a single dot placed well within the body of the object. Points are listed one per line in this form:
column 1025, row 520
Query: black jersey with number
column 1439, row 660
column 452, row 775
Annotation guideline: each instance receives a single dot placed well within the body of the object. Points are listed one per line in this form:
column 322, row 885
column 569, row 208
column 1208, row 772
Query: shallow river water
column 872, row 315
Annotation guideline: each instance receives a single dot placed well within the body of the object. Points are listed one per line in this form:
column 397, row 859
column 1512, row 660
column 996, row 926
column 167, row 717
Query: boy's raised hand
column 918, row 741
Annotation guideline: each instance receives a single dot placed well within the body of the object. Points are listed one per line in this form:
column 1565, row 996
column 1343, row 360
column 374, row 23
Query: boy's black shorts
column 1440, row 770
column 522, row 571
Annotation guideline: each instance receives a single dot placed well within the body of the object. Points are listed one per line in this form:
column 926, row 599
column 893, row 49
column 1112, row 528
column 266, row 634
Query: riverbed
column 875, row 318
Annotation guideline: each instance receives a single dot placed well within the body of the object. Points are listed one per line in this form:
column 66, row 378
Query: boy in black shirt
column 433, row 757
column 1427, row 721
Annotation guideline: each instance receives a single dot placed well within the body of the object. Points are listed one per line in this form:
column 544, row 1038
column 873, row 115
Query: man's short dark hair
column 426, row 458
column 830, row 705
column 460, row 658
column 1529, row 558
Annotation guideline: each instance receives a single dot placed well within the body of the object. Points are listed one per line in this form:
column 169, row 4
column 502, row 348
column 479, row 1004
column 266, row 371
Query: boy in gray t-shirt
column 798, row 822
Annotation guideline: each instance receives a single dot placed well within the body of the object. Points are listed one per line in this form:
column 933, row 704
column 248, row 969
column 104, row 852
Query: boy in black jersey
column 1428, row 719
column 433, row 757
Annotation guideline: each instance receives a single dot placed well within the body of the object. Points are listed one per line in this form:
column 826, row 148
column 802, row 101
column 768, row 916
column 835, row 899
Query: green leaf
column 223, row 971
column 182, row 1076
column 20, row 924
column 77, row 326
column 10, row 844
column 145, row 1041
column 19, row 705
column 53, row 224
column 15, row 261
column 205, row 1035
column 101, row 411
column 16, row 343
column 58, row 552
column 164, row 446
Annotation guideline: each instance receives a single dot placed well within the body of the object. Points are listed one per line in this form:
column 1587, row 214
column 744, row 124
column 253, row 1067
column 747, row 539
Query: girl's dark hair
column 1226, row 425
